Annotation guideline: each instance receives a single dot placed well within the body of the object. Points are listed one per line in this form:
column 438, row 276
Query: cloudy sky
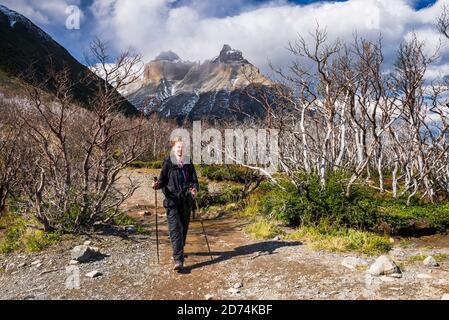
column 197, row 29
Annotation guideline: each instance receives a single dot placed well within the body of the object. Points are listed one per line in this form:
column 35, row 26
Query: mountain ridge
column 180, row 89
column 24, row 45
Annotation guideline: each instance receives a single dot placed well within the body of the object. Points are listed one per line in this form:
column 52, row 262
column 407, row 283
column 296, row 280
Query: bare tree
column 443, row 22
column 80, row 153
column 14, row 152
column 340, row 111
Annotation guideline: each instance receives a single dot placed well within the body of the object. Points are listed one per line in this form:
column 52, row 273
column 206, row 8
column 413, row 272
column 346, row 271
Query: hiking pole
column 155, row 213
column 204, row 231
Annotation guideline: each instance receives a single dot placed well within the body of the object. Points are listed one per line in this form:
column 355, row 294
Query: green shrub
column 229, row 194
column 14, row 226
column 68, row 219
column 18, row 236
column 366, row 209
column 342, row 240
column 399, row 216
column 263, row 229
column 329, row 204
column 37, row 240
column 233, row 173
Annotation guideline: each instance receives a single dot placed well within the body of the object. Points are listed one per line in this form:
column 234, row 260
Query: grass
column 20, row 237
column 365, row 210
column 326, row 219
column 233, row 173
column 342, row 240
column 439, row 257
column 125, row 220
column 146, row 164
column 321, row 223
column 434, row 216
column 263, row 229
column 252, row 205
column 248, row 212
column 10, row 85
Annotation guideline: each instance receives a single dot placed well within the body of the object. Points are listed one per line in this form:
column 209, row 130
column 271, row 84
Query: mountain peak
column 167, row 56
column 229, row 55
column 23, row 44
column 15, row 17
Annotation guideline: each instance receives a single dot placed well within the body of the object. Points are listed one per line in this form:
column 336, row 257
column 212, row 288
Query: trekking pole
column 155, row 213
column 204, row 231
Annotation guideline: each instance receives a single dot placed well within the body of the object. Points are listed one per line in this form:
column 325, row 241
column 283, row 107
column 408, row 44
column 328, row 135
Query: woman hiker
column 179, row 184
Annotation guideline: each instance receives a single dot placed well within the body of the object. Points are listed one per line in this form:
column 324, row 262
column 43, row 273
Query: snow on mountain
column 23, row 44
column 176, row 88
column 229, row 55
column 15, row 18
column 168, row 56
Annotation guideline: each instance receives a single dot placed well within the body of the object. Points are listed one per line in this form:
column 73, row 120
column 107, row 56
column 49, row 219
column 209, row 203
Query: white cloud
column 261, row 33
column 41, row 12
column 197, row 29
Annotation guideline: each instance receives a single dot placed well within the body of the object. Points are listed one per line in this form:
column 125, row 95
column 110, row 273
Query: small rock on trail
column 233, row 290
column 430, row 262
column 238, row 285
column 85, row 253
column 93, row 274
column 383, row 266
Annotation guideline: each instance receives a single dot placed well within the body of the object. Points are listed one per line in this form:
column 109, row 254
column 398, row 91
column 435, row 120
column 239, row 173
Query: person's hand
column 155, row 185
column 193, row 191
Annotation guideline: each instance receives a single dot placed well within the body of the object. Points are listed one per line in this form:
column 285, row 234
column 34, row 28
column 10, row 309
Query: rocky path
column 240, row 268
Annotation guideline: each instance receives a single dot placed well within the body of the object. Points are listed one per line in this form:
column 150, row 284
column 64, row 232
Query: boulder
column 383, row 266
column 430, row 262
column 85, row 253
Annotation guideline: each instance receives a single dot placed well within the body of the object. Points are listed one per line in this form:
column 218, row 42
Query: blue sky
column 197, row 29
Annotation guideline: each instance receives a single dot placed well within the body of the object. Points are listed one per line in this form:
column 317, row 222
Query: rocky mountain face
column 220, row 88
column 24, row 45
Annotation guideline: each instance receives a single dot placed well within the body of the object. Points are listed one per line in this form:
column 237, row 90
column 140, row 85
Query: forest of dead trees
column 340, row 108
column 337, row 108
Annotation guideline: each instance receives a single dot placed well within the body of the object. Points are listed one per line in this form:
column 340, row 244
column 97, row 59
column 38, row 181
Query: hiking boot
column 179, row 265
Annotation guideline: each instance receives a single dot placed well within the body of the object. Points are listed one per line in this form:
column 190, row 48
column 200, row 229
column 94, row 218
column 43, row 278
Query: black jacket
column 170, row 184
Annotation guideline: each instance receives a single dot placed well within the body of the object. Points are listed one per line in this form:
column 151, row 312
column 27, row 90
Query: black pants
column 178, row 218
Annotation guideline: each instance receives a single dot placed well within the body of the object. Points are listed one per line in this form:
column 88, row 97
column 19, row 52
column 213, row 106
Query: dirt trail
column 241, row 268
